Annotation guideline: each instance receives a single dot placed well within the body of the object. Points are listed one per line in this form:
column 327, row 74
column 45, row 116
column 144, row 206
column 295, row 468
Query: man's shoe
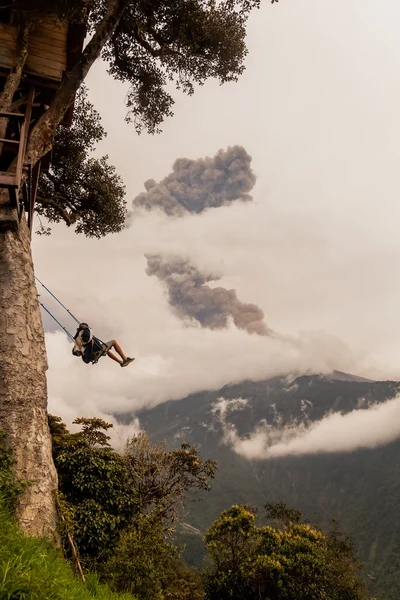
column 127, row 361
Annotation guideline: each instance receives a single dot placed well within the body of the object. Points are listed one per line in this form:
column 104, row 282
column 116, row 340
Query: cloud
column 317, row 249
column 368, row 427
column 190, row 297
column 106, row 285
column 171, row 362
column 71, row 396
column 195, row 185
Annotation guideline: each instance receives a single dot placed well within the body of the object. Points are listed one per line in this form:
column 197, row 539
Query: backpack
column 89, row 347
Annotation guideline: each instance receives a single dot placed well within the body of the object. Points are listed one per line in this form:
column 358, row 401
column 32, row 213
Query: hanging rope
column 101, row 347
column 57, row 321
column 59, row 302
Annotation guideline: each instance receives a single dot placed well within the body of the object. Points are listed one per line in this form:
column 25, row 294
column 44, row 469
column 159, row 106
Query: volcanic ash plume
column 195, row 185
column 190, row 297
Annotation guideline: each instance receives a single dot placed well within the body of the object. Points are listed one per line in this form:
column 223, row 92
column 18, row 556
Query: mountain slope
column 360, row 489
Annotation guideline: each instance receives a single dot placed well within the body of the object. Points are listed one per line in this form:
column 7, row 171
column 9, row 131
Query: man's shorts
column 109, row 344
column 105, row 347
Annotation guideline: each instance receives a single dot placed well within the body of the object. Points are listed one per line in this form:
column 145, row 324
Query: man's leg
column 119, row 350
column 111, row 355
column 125, row 360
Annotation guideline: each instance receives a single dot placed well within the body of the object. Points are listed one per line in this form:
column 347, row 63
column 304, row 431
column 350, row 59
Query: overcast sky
column 317, row 249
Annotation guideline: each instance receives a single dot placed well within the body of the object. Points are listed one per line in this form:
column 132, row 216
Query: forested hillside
column 360, row 489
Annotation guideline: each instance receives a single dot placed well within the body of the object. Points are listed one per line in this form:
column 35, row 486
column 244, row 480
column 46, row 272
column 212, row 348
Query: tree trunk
column 23, row 387
column 23, row 363
column 15, row 74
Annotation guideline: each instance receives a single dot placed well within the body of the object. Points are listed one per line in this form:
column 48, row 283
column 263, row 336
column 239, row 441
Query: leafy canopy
column 185, row 43
column 157, row 43
column 152, row 46
column 146, row 564
column 288, row 562
column 109, row 493
column 79, row 189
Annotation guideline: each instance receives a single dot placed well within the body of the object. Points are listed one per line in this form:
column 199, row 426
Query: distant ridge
column 361, row 489
column 339, row 376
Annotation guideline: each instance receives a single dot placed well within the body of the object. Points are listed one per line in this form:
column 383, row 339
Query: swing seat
column 100, row 349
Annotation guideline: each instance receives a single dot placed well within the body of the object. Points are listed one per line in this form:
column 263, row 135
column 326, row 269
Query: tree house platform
column 47, row 49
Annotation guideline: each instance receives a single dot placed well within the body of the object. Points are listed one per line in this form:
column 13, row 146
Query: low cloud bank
column 370, row 427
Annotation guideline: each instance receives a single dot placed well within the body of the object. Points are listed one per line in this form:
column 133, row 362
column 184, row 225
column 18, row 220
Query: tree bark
column 23, row 363
column 23, row 387
column 14, row 77
column 68, row 218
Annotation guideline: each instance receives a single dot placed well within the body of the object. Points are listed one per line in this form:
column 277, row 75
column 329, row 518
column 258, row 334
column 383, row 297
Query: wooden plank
column 54, row 36
column 7, row 50
column 50, row 37
column 48, row 85
column 43, row 67
column 47, row 76
column 35, row 67
column 37, row 46
column 34, row 187
column 7, row 180
column 7, row 47
column 54, row 23
column 9, row 37
column 6, row 60
column 8, row 114
column 8, row 31
column 52, row 33
column 45, row 39
column 46, row 52
column 46, row 61
column 20, row 157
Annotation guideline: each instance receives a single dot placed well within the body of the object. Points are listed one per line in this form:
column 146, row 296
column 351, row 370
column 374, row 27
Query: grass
column 30, row 569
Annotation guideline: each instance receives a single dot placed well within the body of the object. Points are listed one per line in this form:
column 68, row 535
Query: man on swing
column 91, row 348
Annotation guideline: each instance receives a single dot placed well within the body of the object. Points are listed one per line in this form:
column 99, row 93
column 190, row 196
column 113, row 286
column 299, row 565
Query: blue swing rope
column 56, row 320
column 102, row 344
column 59, row 302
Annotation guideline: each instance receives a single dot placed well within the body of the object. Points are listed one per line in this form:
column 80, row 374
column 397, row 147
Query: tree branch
column 70, row 219
column 163, row 49
column 14, row 77
column 45, row 128
column 145, row 44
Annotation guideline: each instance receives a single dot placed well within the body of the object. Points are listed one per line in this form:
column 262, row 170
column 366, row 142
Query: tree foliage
column 290, row 562
column 161, row 480
column 148, row 45
column 146, row 564
column 152, row 46
column 92, row 479
column 116, row 499
column 282, row 514
column 79, row 189
column 182, row 42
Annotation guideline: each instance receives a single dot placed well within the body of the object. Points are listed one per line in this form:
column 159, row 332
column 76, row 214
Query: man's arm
column 86, row 335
